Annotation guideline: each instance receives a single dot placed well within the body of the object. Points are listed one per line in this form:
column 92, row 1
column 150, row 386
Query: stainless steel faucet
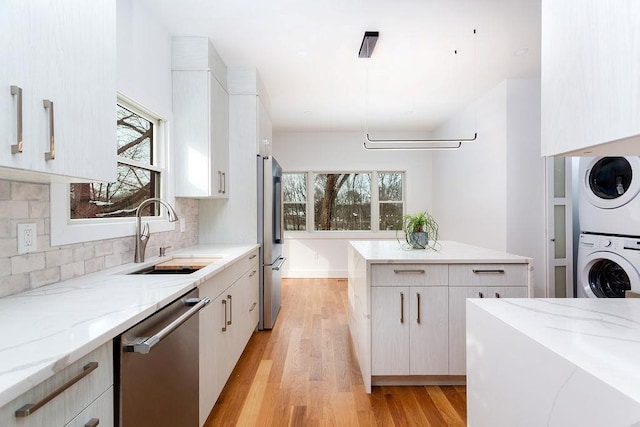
column 142, row 234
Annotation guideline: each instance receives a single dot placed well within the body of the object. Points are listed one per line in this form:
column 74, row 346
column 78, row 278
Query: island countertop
column 445, row 251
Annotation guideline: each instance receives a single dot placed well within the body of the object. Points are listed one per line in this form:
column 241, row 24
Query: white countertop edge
column 45, row 367
column 599, row 336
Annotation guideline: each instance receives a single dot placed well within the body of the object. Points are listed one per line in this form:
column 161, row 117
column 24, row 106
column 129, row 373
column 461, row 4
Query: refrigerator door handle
column 279, row 264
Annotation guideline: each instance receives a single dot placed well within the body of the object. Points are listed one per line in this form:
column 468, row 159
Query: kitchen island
column 407, row 307
column 553, row 362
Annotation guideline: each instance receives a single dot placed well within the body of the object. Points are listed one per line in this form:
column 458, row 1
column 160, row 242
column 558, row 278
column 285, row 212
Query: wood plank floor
column 304, row 373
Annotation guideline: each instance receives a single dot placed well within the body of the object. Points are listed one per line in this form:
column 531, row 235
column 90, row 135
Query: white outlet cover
column 27, row 238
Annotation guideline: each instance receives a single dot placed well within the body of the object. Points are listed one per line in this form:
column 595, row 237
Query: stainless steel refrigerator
column 270, row 238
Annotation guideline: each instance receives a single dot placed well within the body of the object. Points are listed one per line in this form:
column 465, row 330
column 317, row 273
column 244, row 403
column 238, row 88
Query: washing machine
column 608, row 195
column 607, row 266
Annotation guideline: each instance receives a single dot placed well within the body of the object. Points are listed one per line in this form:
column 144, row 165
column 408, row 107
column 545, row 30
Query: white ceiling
column 307, row 55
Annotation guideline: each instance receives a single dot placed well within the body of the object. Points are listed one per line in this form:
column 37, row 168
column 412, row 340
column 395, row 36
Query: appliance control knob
column 606, row 243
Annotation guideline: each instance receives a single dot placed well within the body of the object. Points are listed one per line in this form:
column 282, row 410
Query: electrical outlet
column 27, row 238
column 183, row 225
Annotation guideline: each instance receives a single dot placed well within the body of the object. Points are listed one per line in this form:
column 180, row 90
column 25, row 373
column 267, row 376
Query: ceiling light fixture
column 366, row 49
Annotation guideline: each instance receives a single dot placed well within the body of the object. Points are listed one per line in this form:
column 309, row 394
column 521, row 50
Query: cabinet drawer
column 72, row 400
column 488, row 275
column 99, row 413
column 409, row 275
column 221, row 281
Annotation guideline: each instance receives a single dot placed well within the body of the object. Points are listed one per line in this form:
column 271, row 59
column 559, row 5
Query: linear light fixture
column 368, row 44
column 366, row 49
column 415, row 144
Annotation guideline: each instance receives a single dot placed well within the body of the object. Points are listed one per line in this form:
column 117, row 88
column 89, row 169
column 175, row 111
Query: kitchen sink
column 178, row 265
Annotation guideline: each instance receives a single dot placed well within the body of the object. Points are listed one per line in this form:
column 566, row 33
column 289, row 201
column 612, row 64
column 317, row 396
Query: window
column 294, row 189
column 98, row 211
column 138, row 176
column 343, row 201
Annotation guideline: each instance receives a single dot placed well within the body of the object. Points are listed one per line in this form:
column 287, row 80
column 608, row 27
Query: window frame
column 65, row 230
column 375, row 231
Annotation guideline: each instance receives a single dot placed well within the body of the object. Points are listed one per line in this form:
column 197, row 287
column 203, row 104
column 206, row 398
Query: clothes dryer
column 607, row 266
column 608, row 195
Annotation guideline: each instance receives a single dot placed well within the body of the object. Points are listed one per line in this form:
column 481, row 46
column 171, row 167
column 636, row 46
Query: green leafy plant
column 420, row 230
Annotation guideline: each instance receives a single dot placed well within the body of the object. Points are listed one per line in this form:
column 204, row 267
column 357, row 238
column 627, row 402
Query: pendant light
column 366, row 49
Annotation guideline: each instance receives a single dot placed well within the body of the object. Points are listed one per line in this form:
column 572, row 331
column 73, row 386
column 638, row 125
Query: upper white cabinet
column 58, row 90
column 590, row 69
column 201, row 119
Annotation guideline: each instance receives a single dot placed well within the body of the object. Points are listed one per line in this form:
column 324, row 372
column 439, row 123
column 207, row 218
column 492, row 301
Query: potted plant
column 419, row 228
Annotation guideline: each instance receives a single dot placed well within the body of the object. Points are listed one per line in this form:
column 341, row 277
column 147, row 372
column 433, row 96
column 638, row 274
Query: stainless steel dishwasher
column 157, row 367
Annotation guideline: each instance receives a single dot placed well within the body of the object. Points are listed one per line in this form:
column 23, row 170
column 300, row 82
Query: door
column 559, row 219
column 390, row 330
column 457, row 325
column 429, row 345
column 608, row 275
column 609, row 183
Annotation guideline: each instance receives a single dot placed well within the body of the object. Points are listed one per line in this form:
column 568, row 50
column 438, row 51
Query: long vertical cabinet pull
column 497, row 295
column 418, row 318
column 224, row 325
column 219, row 182
column 401, row 307
column 51, row 154
column 17, row 147
column 230, row 310
column 224, row 182
column 480, row 295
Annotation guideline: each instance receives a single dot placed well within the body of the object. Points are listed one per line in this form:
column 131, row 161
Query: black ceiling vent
column 368, row 43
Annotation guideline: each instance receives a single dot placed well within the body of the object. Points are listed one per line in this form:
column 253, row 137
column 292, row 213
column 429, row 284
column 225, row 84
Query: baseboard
column 314, row 274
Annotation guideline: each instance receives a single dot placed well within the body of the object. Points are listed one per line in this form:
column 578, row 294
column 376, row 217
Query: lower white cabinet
column 85, row 391
column 407, row 334
column 226, row 326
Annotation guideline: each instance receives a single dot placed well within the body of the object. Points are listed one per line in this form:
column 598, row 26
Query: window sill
column 349, row 235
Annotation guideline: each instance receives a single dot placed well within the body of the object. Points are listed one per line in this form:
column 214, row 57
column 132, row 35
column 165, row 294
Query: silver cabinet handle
column 230, row 310
column 143, row 345
column 219, row 182
column 51, row 154
column 253, row 306
column 93, row 422
column 253, row 273
column 479, row 271
column 497, row 295
column 224, row 182
column 418, row 319
column 277, row 267
column 224, row 325
column 480, row 295
column 30, row 408
column 397, row 271
column 401, row 307
column 253, row 256
column 17, row 147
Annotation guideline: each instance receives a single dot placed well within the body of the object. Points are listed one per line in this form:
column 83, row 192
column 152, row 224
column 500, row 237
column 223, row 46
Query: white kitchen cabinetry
column 407, row 337
column 89, row 397
column 226, row 326
column 478, row 281
column 201, row 119
column 62, row 56
column 590, row 91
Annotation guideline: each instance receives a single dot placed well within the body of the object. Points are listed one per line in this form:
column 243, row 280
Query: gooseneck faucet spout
column 142, row 234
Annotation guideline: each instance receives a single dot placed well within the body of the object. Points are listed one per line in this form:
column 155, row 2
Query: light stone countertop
column 599, row 336
column 448, row 252
column 46, row 329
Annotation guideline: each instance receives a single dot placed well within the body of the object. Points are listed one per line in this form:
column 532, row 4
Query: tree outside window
column 294, row 197
column 390, row 198
column 342, row 201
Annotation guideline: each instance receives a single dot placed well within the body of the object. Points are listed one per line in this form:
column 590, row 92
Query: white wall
column 313, row 256
column 491, row 192
column 470, row 183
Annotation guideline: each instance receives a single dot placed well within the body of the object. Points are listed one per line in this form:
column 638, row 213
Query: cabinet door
column 201, row 132
column 390, row 323
column 457, row 325
column 429, row 348
column 66, row 56
column 100, row 412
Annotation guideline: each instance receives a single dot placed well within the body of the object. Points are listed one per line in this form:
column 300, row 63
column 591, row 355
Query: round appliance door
column 611, row 182
column 608, row 275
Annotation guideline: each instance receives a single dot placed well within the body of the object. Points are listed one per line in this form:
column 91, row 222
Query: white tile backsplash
column 22, row 202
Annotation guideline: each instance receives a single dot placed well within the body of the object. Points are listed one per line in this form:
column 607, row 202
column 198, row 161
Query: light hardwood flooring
column 304, row 373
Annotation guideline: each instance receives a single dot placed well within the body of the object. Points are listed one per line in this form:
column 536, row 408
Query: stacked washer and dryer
column 609, row 216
